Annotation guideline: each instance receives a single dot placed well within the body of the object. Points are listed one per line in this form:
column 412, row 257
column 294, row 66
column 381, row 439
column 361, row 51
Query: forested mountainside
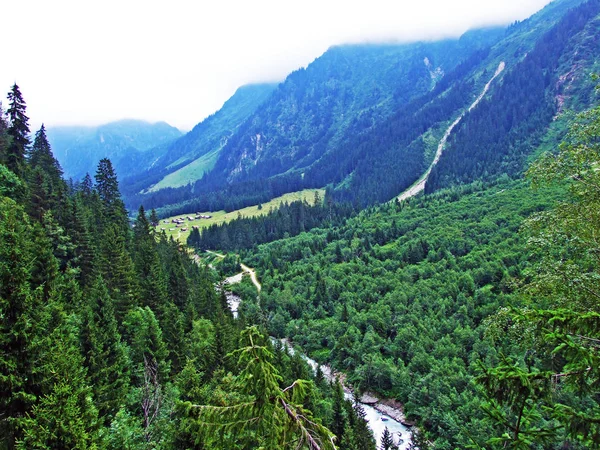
column 112, row 337
column 476, row 307
column 185, row 160
column 365, row 120
column 78, row 149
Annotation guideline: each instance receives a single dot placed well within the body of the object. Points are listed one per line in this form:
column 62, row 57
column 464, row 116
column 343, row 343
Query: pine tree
column 41, row 156
column 154, row 221
column 105, row 356
column 107, row 186
column 64, row 416
column 362, row 433
column 18, row 132
column 83, row 251
column 339, row 419
column 266, row 415
column 117, row 270
column 145, row 339
column 387, row 441
column 19, row 307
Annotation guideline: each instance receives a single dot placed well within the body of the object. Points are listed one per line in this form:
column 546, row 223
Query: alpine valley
column 412, row 226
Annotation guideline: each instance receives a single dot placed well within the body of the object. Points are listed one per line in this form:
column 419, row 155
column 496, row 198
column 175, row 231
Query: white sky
column 91, row 62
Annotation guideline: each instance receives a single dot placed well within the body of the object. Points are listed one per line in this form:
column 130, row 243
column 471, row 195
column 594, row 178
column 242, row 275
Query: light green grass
column 219, row 217
column 190, row 173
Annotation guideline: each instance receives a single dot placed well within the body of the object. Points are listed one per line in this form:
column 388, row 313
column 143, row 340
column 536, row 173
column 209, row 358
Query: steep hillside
column 498, row 137
column 185, row 160
column 78, row 149
column 365, row 120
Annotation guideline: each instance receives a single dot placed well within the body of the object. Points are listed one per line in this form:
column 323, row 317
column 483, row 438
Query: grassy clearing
column 187, row 174
column 219, row 217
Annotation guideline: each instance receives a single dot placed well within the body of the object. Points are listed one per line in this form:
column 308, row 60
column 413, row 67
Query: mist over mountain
column 79, row 148
column 365, row 120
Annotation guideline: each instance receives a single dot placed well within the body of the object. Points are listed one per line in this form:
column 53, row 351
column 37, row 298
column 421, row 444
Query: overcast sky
column 91, row 62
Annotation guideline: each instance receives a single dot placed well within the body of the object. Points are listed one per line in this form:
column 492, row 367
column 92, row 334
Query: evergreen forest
column 472, row 306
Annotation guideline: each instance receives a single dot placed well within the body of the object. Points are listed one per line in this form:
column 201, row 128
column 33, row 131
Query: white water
column 401, row 433
column 377, row 421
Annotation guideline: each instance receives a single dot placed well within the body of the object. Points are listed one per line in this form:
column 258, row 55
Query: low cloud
column 93, row 62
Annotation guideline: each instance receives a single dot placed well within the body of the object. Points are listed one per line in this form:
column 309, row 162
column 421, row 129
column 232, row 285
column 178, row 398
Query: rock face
column 369, row 399
column 393, row 409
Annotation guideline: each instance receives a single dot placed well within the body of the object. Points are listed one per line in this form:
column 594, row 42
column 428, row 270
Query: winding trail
column 419, row 185
column 238, row 278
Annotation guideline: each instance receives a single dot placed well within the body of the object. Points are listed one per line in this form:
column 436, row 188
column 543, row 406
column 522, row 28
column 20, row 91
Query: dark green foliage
column 18, row 309
column 258, row 412
column 414, row 284
column 98, row 322
column 65, row 415
column 104, row 352
column 107, row 186
column 18, row 131
column 387, row 441
column 555, row 385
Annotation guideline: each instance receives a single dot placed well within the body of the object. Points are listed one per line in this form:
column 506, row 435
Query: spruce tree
column 117, row 270
column 154, row 221
column 145, row 339
column 19, row 307
column 262, row 415
column 105, row 356
column 387, row 441
column 18, row 131
column 64, row 415
column 107, row 186
column 83, row 251
column 41, row 156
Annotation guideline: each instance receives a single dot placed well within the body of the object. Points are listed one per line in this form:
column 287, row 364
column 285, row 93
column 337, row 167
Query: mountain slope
column 185, row 160
column 78, row 149
column 365, row 120
column 343, row 93
column 497, row 137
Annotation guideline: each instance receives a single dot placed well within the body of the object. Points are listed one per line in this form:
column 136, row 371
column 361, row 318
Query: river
column 377, row 420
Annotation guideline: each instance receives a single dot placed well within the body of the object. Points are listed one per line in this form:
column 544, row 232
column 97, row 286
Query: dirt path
column 238, row 278
column 420, row 183
column 253, row 276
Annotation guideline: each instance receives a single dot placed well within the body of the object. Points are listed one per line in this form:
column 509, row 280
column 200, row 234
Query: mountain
column 186, row 159
column 78, row 149
column 365, row 120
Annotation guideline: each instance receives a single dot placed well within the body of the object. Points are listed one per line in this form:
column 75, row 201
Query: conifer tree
column 117, row 270
column 41, row 156
column 107, row 187
column 145, row 339
column 64, row 416
column 387, row 441
column 266, row 416
column 154, row 221
column 362, row 433
column 18, row 131
column 83, row 251
column 19, row 307
column 104, row 353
